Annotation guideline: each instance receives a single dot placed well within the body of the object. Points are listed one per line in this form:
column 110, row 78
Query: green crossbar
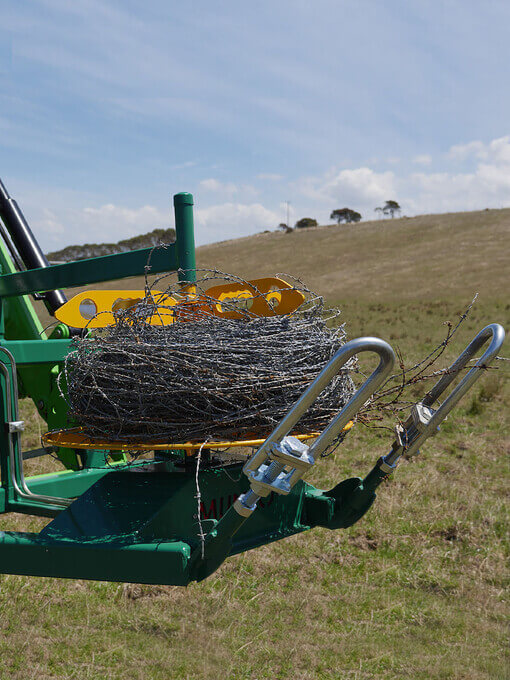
column 36, row 351
column 92, row 270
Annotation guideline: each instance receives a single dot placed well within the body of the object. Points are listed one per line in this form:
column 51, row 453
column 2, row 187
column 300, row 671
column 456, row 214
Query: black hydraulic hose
column 14, row 253
column 26, row 244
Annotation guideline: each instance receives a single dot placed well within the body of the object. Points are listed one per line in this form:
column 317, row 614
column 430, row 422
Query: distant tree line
column 343, row 216
column 153, row 238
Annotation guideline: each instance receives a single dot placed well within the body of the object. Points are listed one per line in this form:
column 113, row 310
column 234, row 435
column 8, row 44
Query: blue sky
column 107, row 108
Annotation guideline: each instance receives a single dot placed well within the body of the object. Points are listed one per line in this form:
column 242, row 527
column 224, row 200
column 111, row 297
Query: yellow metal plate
column 96, row 308
column 75, row 438
column 261, row 297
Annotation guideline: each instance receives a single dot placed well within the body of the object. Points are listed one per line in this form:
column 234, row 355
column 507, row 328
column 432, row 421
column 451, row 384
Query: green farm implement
column 142, row 522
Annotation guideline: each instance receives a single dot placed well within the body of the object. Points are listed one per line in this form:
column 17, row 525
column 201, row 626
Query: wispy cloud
column 270, row 176
column 423, row 159
column 497, row 151
column 216, row 186
column 227, row 189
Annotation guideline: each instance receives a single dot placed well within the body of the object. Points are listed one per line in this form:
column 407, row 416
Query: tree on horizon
column 390, row 208
column 345, row 215
column 285, row 227
column 306, row 222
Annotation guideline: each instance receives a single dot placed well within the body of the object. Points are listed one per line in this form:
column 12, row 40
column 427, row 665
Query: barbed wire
column 204, row 376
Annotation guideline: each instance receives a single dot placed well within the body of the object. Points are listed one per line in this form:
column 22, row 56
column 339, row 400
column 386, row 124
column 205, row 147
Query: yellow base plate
column 75, row 438
column 262, row 297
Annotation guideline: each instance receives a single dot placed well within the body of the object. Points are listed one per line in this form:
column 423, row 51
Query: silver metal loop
column 496, row 333
column 265, row 474
column 430, row 418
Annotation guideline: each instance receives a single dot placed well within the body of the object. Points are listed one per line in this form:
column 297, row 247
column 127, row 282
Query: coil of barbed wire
column 204, row 376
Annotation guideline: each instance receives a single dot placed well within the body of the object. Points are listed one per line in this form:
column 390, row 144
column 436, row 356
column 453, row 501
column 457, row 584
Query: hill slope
column 433, row 256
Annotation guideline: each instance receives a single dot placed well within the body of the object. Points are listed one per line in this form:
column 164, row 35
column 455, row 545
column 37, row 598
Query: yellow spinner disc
column 75, row 438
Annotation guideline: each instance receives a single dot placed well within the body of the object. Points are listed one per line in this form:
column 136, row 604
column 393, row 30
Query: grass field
column 415, row 590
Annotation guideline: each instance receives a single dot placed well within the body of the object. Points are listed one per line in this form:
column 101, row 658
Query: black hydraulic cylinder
column 26, row 244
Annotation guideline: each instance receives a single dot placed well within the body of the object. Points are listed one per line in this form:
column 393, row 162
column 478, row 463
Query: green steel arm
column 19, row 316
column 37, row 352
column 93, row 270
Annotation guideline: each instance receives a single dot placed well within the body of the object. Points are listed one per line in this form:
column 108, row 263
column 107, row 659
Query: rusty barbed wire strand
column 389, row 399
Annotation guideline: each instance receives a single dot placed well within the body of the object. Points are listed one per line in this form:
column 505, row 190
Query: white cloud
column 118, row 221
column 228, row 190
column 488, row 186
column 497, row 151
column 423, row 159
column 359, row 188
column 362, row 184
column 111, row 223
column 69, row 223
column 485, row 183
column 215, row 186
column 50, row 224
column 460, row 152
column 107, row 224
column 232, row 220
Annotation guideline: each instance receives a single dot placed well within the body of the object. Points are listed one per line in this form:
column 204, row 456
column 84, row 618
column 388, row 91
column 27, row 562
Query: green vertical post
column 185, row 236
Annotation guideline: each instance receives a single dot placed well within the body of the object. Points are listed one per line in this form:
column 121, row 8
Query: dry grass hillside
column 425, row 257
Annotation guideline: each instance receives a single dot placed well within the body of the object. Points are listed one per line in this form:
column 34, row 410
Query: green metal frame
column 144, row 527
column 39, row 359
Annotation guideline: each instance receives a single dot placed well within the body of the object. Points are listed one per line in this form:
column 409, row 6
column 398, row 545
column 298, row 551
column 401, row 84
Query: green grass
column 417, row 589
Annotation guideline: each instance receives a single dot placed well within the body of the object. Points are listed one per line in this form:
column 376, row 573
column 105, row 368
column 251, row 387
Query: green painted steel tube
column 185, row 236
column 160, row 562
column 37, row 351
column 376, row 476
column 93, row 270
column 218, row 545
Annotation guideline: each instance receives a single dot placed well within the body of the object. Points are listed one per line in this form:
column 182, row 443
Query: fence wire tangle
column 204, row 376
